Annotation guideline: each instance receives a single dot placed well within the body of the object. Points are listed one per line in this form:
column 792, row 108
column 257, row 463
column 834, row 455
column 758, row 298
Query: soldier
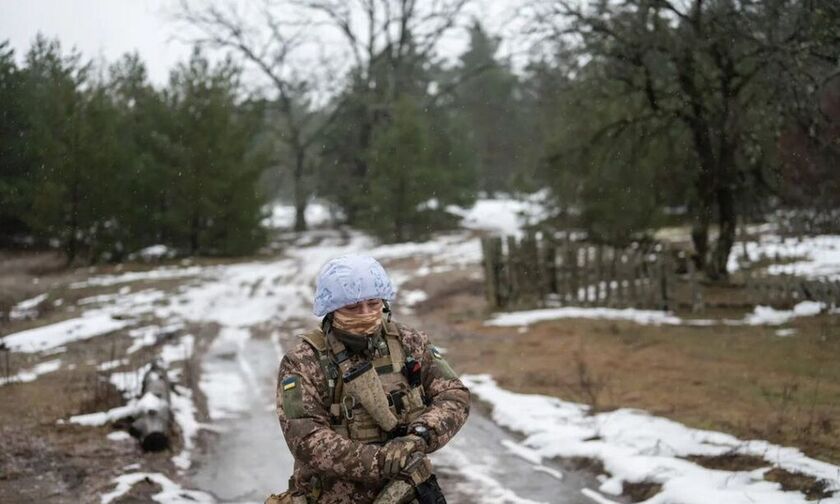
column 362, row 396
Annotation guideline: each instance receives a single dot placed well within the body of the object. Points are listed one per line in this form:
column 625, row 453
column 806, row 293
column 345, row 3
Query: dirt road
column 248, row 459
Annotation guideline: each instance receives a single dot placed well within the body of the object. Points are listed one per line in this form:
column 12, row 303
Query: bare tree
column 377, row 36
column 385, row 40
column 703, row 66
column 269, row 46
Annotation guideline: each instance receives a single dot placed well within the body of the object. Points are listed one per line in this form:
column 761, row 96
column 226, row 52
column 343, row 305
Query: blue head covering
column 349, row 279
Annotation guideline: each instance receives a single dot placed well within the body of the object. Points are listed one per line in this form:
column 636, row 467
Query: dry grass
column 743, row 380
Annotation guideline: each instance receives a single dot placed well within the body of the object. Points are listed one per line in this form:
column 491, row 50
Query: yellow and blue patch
column 292, row 398
column 290, row 382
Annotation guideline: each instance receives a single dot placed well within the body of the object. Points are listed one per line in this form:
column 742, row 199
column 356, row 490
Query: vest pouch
column 362, row 427
column 362, row 383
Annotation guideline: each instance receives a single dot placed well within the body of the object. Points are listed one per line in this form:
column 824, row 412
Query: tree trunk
column 194, row 236
column 702, row 219
column 700, row 240
column 71, row 248
column 300, row 191
column 727, row 219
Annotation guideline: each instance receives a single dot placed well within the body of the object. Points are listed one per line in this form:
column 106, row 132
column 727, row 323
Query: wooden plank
column 488, row 262
column 585, row 273
column 609, row 298
column 633, row 277
column 549, row 262
column 573, row 274
column 566, row 280
column 663, row 281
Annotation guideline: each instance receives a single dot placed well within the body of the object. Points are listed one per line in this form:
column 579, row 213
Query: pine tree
column 487, row 99
column 16, row 159
column 215, row 204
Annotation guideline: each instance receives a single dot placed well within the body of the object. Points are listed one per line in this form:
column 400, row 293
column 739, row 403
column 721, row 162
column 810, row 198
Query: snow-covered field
column 244, row 297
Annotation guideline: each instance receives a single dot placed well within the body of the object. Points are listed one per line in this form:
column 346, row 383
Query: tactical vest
column 349, row 418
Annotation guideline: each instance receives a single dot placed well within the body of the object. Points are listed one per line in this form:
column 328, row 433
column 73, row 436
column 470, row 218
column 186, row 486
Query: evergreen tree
column 142, row 176
column 486, row 96
column 415, row 171
column 16, row 159
column 56, row 107
column 215, row 206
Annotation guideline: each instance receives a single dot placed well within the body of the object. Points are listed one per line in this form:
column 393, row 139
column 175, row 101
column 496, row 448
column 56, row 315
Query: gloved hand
column 394, row 455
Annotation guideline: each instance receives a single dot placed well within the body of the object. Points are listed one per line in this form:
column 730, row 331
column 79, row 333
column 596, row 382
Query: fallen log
column 153, row 423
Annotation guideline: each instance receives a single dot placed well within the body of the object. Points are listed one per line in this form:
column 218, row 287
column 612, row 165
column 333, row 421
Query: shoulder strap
column 395, row 346
column 318, row 342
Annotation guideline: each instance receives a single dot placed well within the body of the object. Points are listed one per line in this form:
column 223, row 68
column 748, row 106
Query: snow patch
column 813, row 256
column 119, row 436
column 27, row 309
column 153, row 253
column 149, row 402
column 766, row 315
column 524, row 318
column 412, row 297
column 87, row 326
column 504, row 216
column 184, row 412
column 166, row 273
column 171, row 492
column 635, row 446
column 761, row 315
column 282, row 216
column 33, row 373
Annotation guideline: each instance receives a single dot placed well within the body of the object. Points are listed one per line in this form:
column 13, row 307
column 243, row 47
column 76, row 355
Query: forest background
column 632, row 115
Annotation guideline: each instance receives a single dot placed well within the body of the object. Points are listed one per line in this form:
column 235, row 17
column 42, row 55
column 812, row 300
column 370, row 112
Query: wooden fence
column 527, row 272
column 788, row 290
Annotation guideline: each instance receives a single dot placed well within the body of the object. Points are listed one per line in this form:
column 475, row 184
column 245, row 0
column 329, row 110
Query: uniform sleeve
column 306, row 424
column 448, row 397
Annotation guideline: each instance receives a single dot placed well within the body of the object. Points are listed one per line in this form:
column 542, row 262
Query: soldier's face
column 362, row 308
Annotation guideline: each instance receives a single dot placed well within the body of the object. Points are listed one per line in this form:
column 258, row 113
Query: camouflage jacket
column 348, row 471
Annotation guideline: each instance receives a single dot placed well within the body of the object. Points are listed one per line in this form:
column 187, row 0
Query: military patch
column 292, row 397
column 446, row 370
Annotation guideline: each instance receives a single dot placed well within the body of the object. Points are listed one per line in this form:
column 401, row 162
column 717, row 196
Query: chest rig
column 386, row 354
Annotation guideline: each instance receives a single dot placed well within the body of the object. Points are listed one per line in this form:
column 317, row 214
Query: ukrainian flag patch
column 290, row 382
column 436, row 353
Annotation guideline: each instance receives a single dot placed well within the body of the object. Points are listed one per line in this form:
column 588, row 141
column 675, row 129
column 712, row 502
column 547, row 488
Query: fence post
column 549, row 261
column 663, row 281
column 609, row 298
column 573, row 273
column 631, row 262
column 514, row 291
column 585, row 274
column 491, row 248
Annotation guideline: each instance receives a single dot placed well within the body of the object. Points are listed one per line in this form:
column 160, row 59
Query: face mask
column 358, row 324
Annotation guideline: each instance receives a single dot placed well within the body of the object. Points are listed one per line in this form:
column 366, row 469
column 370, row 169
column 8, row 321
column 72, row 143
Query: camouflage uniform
column 347, row 471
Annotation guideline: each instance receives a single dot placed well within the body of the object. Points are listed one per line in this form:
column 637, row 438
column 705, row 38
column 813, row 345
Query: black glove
column 429, row 492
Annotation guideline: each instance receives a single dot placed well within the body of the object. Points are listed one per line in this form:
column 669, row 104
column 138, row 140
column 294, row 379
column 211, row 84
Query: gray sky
column 106, row 29
column 98, row 29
